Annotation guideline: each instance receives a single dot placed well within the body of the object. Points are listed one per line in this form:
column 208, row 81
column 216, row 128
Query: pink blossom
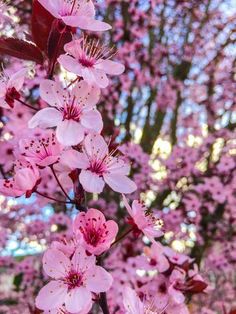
column 23, row 182
column 10, row 88
column 99, row 166
column 43, row 152
column 132, row 302
column 157, row 257
column 175, row 257
column 143, row 221
column 177, row 279
column 74, row 281
column 88, row 59
column 71, row 112
column 96, row 233
column 75, row 13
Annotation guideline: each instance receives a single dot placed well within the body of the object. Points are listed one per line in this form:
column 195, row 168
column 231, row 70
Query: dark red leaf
column 40, row 25
column 196, row 286
column 20, row 49
column 232, row 311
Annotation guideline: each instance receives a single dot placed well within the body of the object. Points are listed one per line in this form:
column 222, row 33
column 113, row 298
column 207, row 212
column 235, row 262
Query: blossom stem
column 51, row 198
column 122, row 236
column 25, row 104
column 71, row 83
column 54, row 60
column 103, row 303
column 59, row 183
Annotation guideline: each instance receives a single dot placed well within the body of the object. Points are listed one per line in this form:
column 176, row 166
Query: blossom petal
column 78, row 299
column 51, row 6
column 87, row 94
column 110, row 67
column 53, row 93
column 100, row 78
column 128, row 207
column 120, row 183
column 119, row 166
column 73, row 159
column 86, row 23
column 70, row 132
column 92, row 119
column 17, row 79
column 81, row 261
column 51, row 296
column 176, row 295
column 99, row 280
column 26, row 178
column 95, row 145
column 55, row 263
column 113, row 229
column 70, row 64
column 131, row 301
column 91, row 182
column 45, row 118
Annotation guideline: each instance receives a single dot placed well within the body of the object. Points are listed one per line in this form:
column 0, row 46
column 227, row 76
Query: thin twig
column 25, row 104
column 59, row 183
column 52, row 198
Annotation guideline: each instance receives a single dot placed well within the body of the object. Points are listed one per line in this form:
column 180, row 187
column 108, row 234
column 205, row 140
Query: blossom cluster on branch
column 118, row 167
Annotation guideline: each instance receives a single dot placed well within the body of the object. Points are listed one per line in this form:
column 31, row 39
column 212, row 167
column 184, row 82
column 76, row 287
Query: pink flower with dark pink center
column 88, row 59
column 175, row 257
column 74, row 281
column 143, row 221
column 24, row 181
column 95, row 233
column 75, row 13
column 43, row 152
column 10, row 88
column 156, row 256
column 72, row 112
column 99, row 166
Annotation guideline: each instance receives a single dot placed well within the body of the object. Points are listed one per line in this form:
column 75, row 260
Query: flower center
column 86, row 62
column 71, row 112
column 41, row 149
column 98, row 167
column 74, row 280
column 162, row 288
column 93, row 236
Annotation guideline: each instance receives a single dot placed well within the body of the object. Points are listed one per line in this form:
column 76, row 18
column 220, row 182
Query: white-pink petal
column 131, row 301
column 87, row 94
column 86, row 23
column 70, row 132
column 72, row 159
column 92, row 119
column 91, row 182
column 53, row 93
column 81, row 262
column 55, row 263
column 53, row 6
column 51, row 296
column 78, row 299
column 17, row 79
column 70, row 64
column 100, row 78
column 99, row 280
column 120, row 183
column 45, row 118
column 110, row 67
column 95, row 145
